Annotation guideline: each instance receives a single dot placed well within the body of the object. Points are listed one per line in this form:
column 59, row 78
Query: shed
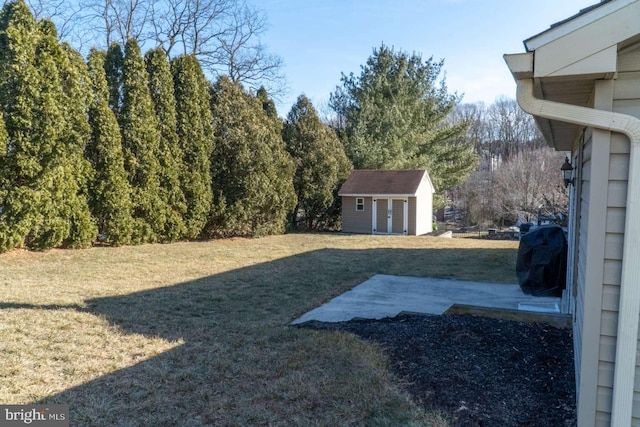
column 387, row 202
column 580, row 79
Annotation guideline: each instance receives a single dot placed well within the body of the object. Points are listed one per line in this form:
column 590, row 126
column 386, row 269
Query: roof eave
column 579, row 20
column 389, row 196
column 566, row 60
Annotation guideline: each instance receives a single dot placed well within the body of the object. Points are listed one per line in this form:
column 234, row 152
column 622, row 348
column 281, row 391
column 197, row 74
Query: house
column 387, row 202
column 580, row 79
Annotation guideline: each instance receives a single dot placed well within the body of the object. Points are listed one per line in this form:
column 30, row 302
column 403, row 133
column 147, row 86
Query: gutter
column 629, row 308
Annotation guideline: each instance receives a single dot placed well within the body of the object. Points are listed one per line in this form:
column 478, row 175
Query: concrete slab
column 386, row 296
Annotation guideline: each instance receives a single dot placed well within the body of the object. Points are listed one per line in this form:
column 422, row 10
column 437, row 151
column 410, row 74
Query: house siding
column 594, row 394
column 578, row 329
column 626, row 100
column 354, row 221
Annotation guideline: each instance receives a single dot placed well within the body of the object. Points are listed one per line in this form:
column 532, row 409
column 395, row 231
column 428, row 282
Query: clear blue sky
column 319, row 39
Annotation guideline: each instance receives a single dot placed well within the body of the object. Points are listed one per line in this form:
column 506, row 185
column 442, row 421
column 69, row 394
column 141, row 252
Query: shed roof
column 383, row 182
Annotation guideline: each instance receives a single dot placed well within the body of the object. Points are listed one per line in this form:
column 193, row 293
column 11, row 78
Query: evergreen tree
column 110, row 189
column 170, row 155
column 394, row 117
column 44, row 202
column 4, row 148
column 253, row 174
column 19, row 80
column 113, row 64
column 320, row 162
column 140, row 139
column 60, row 132
column 268, row 105
column 195, row 136
column 5, row 182
column 76, row 99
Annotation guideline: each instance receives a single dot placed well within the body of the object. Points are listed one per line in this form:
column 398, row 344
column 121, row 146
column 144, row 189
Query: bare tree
column 242, row 57
column 223, row 34
column 192, row 26
column 60, row 12
column 116, row 20
column 517, row 176
column 530, row 183
column 510, row 129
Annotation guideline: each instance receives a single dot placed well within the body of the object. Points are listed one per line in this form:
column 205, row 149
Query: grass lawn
column 194, row 334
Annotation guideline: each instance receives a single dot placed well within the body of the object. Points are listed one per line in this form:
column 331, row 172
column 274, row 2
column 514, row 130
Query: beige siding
column 627, row 101
column 413, row 207
column 592, row 323
column 354, row 221
column 583, row 221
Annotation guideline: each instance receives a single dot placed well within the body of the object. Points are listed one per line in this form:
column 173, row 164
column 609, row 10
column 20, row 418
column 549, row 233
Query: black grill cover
column 542, row 261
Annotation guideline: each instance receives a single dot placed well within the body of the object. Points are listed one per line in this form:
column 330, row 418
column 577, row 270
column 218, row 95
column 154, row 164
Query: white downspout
column 629, row 310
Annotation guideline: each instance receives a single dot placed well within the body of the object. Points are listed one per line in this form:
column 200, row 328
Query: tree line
column 125, row 148
column 518, row 176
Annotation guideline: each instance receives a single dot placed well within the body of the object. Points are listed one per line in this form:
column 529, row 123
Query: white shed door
column 390, row 216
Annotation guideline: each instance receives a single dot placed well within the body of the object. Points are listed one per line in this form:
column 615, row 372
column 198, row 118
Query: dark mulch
column 479, row 371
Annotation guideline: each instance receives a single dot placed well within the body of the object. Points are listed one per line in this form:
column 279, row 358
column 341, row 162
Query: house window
column 360, row 203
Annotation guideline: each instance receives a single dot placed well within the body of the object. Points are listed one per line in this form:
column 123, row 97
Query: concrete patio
column 386, row 296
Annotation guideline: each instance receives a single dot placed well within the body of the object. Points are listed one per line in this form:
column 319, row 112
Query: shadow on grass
column 240, row 364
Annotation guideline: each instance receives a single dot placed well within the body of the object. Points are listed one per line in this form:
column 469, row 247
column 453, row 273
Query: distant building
column 387, row 202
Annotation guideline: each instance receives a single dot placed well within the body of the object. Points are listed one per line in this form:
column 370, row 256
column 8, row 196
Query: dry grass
column 196, row 333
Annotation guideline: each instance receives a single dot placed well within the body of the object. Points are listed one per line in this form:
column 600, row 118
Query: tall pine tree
column 76, row 98
column 268, row 105
column 110, row 191
column 19, row 81
column 394, row 115
column 252, row 174
column 113, row 65
column 320, row 161
column 195, row 136
column 5, row 183
column 45, row 203
column 140, row 138
column 170, row 155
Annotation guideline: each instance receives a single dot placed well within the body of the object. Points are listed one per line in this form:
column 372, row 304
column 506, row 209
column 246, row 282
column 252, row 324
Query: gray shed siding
column 354, row 221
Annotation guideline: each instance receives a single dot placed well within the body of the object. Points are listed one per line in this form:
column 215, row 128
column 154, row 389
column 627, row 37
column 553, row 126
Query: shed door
column 397, row 216
column 390, row 216
column 382, row 219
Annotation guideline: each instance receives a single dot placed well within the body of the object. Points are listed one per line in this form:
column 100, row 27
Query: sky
column 320, row 39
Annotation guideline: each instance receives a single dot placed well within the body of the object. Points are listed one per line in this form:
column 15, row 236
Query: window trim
column 359, row 204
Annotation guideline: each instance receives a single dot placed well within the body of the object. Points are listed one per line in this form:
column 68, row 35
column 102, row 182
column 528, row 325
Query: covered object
column 542, row 262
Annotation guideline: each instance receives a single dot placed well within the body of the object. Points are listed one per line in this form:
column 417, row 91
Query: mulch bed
column 479, row 371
